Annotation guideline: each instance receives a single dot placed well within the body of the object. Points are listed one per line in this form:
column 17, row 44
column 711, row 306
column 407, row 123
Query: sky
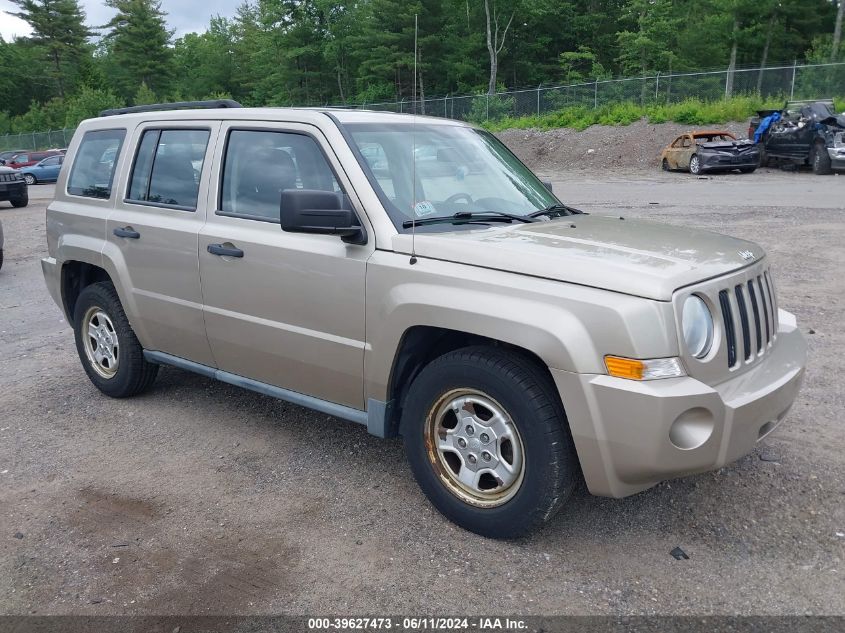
column 182, row 15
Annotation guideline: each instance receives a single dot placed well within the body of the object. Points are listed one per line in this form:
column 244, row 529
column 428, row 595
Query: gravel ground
column 635, row 146
column 199, row 497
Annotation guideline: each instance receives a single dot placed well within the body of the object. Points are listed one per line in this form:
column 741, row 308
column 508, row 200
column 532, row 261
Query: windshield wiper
column 462, row 217
column 556, row 211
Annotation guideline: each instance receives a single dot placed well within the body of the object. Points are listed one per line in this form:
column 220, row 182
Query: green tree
column 59, row 27
column 137, row 46
column 87, row 104
column 649, row 43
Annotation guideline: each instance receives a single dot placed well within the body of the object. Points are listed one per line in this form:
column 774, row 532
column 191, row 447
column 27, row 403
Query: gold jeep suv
column 411, row 275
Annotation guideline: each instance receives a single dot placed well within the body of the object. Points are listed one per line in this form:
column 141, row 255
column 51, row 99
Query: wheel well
column 422, row 344
column 76, row 276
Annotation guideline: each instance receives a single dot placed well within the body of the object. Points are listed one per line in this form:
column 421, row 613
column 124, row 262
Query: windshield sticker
column 423, row 208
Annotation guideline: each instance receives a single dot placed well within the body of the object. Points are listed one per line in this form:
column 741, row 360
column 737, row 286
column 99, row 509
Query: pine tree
column 58, row 26
column 138, row 46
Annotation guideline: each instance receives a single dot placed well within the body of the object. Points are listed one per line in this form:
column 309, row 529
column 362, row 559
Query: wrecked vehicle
column 710, row 150
column 802, row 133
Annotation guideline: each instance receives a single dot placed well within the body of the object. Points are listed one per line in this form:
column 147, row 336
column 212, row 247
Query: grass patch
column 687, row 112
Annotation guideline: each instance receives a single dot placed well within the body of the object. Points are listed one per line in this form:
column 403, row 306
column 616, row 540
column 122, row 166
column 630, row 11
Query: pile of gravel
column 601, row 147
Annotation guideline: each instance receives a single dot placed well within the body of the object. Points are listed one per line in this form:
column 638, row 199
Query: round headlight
column 697, row 323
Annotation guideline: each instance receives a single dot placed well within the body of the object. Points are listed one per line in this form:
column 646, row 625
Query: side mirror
column 548, row 185
column 321, row 213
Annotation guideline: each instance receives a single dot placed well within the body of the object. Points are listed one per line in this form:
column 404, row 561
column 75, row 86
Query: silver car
column 516, row 344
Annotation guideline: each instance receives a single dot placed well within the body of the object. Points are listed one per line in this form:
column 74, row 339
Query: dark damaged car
column 710, row 151
column 802, row 133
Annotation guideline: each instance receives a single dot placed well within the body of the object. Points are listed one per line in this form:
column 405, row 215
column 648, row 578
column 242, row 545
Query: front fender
column 569, row 327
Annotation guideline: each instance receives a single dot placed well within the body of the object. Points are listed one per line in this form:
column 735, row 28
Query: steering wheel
column 458, row 196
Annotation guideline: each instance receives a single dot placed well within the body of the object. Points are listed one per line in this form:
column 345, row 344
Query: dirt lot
column 202, row 498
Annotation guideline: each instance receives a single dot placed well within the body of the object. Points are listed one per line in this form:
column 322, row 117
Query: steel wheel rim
column 30, row 180
column 101, row 343
column 475, row 448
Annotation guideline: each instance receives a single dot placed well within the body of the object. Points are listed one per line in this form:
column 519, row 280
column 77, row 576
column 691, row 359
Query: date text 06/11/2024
column 417, row 624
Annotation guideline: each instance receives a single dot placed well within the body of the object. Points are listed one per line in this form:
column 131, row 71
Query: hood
column 837, row 120
column 6, row 170
column 729, row 145
column 635, row 257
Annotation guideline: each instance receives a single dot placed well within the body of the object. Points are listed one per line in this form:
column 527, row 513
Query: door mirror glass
column 320, row 212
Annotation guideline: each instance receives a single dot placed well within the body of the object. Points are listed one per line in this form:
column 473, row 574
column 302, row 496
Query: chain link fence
column 54, row 139
column 797, row 81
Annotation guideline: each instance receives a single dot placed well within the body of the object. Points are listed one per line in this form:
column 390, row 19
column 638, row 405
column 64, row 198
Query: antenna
column 414, row 151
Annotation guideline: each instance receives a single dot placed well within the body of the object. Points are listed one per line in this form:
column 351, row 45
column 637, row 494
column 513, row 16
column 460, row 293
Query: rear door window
column 92, row 172
column 167, row 168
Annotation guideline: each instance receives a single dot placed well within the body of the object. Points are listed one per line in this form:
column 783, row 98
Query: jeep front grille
column 750, row 309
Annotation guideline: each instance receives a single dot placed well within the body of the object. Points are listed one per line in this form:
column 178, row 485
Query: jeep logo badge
column 746, row 255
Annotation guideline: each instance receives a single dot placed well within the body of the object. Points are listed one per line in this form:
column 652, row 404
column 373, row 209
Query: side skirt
column 375, row 418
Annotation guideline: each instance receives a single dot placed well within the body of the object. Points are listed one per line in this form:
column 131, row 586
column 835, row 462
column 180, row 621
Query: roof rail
column 178, row 105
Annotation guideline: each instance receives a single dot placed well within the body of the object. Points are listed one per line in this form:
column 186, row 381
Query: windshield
column 423, row 170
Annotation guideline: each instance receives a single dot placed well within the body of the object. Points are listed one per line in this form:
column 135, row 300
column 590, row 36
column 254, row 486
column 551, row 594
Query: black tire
column 748, row 170
column 133, row 374
column 21, row 200
column 30, row 180
column 694, row 165
column 528, row 396
column 820, row 160
column 1, row 258
column 665, row 165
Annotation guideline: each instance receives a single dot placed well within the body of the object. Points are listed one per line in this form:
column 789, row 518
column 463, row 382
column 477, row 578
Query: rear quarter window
column 92, row 172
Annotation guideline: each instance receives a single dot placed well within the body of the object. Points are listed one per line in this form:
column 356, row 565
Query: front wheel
column 747, row 170
column 821, row 160
column 20, row 201
column 665, row 165
column 694, row 165
column 29, row 179
column 108, row 348
column 488, row 442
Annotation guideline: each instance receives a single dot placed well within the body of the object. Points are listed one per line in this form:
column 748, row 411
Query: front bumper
column 837, row 157
column 717, row 162
column 10, row 190
column 631, row 435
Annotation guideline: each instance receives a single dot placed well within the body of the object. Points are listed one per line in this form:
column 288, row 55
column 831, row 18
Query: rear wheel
column 694, row 165
column 820, row 160
column 487, row 440
column 108, row 348
column 20, row 201
column 29, row 179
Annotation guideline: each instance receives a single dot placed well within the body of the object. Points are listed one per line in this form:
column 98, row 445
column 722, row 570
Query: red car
column 25, row 159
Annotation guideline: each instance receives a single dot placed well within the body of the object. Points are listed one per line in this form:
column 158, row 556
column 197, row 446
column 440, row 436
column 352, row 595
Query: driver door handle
column 225, row 251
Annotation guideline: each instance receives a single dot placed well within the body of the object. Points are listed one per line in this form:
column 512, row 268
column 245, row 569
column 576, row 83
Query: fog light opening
column 691, row 429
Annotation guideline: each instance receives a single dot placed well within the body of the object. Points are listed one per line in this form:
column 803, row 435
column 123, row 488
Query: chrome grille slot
column 730, row 332
column 755, row 310
column 773, row 301
column 766, row 311
column 743, row 319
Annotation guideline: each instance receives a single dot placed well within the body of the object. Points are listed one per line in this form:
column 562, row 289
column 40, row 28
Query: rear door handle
column 127, row 232
column 225, row 251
